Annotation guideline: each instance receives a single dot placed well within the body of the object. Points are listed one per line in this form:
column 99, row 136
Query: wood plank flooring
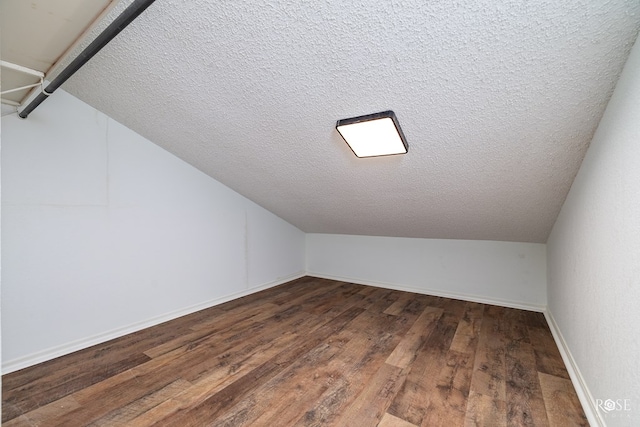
column 312, row 352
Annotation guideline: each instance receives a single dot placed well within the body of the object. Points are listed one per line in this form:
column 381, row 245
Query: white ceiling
column 498, row 101
column 36, row 34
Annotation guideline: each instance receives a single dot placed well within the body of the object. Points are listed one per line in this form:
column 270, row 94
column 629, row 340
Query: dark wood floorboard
column 312, row 352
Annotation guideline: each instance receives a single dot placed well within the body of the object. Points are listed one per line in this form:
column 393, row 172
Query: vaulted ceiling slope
column 498, row 99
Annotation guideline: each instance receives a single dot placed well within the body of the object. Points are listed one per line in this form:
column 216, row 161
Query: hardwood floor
column 311, row 352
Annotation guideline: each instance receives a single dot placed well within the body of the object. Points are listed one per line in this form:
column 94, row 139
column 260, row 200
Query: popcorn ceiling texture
column 498, row 101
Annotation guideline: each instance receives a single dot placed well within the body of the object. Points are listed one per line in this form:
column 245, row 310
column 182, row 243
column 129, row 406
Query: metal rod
column 20, row 88
column 21, row 69
column 10, row 102
column 118, row 24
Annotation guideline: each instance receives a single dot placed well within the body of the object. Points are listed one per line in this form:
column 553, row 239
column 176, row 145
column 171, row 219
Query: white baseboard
column 586, row 399
column 61, row 350
column 437, row 293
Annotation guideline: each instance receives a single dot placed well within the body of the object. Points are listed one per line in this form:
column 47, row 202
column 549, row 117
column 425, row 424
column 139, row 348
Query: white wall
column 594, row 256
column 104, row 232
column 507, row 273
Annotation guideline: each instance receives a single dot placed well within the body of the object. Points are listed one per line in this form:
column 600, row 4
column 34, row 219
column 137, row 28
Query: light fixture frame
column 389, row 114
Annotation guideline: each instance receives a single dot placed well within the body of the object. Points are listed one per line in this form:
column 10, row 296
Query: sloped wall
column 104, row 232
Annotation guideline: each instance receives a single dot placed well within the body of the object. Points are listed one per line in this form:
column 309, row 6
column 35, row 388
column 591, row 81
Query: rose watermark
column 614, row 406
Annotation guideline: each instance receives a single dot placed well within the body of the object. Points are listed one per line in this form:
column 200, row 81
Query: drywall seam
column 586, row 399
column 51, row 353
column 437, row 293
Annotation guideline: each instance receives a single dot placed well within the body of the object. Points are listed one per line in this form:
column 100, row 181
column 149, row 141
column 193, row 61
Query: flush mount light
column 373, row 135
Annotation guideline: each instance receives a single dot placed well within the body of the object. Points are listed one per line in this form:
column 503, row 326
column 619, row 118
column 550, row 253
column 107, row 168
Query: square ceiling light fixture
column 373, row 135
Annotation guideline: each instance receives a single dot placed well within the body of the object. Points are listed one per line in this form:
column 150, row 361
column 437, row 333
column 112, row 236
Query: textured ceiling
column 498, row 101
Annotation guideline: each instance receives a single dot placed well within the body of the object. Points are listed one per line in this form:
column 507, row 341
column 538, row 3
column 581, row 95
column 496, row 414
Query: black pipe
column 118, row 24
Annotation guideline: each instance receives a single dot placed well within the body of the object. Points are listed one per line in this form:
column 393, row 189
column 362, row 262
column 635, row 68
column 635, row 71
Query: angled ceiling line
column 118, row 24
column 84, row 36
column 498, row 101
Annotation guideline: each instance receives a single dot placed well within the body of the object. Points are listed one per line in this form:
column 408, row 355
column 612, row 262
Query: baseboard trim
column 586, row 399
column 61, row 350
column 437, row 293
